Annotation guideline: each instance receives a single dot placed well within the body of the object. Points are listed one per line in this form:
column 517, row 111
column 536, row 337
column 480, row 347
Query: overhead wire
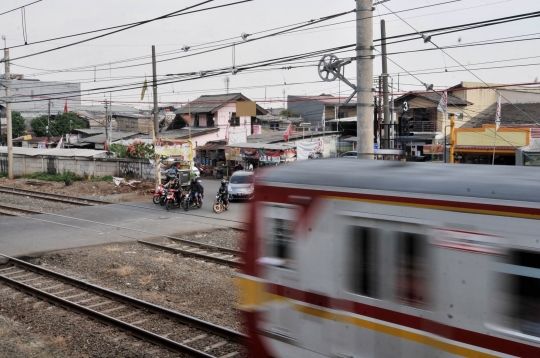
column 20, row 7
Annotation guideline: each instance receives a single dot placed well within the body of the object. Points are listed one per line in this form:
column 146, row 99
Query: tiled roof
column 433, row 97
column 211, row 103
column 519, row 114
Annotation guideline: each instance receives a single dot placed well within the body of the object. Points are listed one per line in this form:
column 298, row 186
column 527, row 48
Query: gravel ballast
column 31, row 203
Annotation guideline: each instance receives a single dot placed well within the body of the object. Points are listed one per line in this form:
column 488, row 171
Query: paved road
column 97, row 225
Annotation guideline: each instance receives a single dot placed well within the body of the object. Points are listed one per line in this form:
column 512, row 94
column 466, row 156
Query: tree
column 60, row 124
column 288, row 113
column 18, row 127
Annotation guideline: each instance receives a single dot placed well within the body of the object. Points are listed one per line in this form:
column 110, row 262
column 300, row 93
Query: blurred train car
column 391, row 259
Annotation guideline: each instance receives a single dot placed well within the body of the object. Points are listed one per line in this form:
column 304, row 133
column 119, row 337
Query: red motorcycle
column 157, row 195
column 201, row 169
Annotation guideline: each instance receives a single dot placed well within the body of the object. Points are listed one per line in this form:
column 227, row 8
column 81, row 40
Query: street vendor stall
column 173, row 151
column 259, row 154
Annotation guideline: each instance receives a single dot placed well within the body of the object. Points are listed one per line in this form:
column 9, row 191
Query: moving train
column 392, row 259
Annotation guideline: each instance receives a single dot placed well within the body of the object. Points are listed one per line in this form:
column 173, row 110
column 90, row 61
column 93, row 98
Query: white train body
column 347, row 265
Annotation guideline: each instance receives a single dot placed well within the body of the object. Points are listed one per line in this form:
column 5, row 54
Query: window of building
column 280, row 238
column 132, row 124
column 412, row 269
column 234, row 121
column 524, row 272
column 362, row 270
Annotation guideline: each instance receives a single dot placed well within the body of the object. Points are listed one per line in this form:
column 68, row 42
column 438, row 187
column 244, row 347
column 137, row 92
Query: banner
column 433, row 149
column 233, row 153
column 270, row 156
column 309, row 150
column 174, row 148
column 249, row 153
column 289, row 155
column 237, row 137
column 256, row 129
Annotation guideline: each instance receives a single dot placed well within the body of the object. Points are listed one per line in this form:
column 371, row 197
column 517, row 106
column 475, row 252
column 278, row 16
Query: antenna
column 227, row 80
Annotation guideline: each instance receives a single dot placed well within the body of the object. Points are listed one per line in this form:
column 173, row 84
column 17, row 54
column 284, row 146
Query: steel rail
column 177, row 316
column 14, row 208
column 53, row 197
column 175, row 250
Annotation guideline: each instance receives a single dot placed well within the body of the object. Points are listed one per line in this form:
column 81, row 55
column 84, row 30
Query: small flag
column 443, row 103
column 60, row 143
column 105, row 146
column 144, row 88
column 66, row 107
column 288, row 132
column 498, row 114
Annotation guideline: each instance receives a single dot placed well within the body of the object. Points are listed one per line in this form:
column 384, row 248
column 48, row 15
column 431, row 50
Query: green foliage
column 106, row 178
column 119, row 149
column 67, row 175
column 18, row 127
column 140, row 150
column 3, row 175
column 289, row 113
column 60, row 124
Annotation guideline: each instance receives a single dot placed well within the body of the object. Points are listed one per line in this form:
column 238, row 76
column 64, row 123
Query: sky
column 55, row 18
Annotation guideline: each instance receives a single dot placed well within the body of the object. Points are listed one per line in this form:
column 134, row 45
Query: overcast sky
column 53, row 18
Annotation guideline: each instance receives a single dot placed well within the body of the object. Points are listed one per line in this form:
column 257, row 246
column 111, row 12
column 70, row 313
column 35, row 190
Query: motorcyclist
column 224, row 192
column 197, row 190
column 175, row 185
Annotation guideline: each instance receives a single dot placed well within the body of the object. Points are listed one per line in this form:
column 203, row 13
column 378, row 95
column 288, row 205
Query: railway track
column 218, row 254
column 158, row 325
column 52, row 197
column 16, row 211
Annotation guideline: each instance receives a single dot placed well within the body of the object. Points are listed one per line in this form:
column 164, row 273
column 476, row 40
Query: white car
column 195, row 170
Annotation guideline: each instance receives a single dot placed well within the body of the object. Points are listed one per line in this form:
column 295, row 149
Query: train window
column 363, row 261
column 280, row 239
column 524, row 271
column 412, row 269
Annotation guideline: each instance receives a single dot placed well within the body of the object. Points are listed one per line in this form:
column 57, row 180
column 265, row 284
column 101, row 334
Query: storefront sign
column 233, row 153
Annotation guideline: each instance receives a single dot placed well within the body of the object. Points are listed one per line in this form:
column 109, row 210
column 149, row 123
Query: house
column 314, row 109
column 134, row 122
column 211, row 117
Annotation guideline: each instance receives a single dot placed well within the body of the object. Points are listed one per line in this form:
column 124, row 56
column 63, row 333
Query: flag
column 105, row 146
column 144, row 88
column 60, row 142
column 443, row 103
column 287, row 133
column 66, row 107
column 498, row 114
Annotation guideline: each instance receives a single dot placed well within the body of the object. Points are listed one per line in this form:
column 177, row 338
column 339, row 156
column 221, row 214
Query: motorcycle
column 219, row 173
column 172, row 201
column 201, row 169
column 188, row 203
column 157, row 194
column 219, row 206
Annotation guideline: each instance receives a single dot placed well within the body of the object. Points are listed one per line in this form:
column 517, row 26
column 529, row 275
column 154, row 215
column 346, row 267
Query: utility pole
column 386, row 107
column 156, row 117
column 49, row 124
column 106, row 124
column 364, row 78
column 7, row 78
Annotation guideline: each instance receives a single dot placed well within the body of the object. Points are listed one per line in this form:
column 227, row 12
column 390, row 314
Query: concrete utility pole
column 7, row 78
column 156, row 117
column 364, row 78
column 106, row 124
column 49, row 124
column 386, row 107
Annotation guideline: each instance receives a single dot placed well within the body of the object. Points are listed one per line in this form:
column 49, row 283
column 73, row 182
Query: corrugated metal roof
column 184, row 132
column 100, row 138
column 32, row 152
column 435, row 98
column 277, row 136
column 263, row 146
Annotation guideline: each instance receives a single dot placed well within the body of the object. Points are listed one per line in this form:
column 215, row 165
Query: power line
column 20, row 7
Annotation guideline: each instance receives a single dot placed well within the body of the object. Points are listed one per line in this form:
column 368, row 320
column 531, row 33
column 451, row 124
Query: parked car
column 241, row 185
column 351, row 154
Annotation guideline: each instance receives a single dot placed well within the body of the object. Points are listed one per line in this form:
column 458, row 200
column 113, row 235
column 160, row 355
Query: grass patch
column 145, row 280
column 113, row 249
column 164, row 259
column 106, row 178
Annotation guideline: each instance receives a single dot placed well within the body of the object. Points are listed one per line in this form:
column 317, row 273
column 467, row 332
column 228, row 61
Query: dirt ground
column 98, row 190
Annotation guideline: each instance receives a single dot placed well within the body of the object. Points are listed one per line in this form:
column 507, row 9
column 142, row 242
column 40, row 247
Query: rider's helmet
column 224, row 182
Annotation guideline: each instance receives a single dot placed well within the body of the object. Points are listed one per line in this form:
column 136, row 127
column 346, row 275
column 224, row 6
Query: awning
column 485, row 149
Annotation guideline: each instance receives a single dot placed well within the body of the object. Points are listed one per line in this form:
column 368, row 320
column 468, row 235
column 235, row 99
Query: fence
column 97, row 167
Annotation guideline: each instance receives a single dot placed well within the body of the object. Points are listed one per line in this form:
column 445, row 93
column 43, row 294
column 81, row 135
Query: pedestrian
column 250, row 167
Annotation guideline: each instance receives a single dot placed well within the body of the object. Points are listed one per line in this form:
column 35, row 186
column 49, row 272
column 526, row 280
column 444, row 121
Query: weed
column 145, row 280
column 124, row 271
column 66, row 175
column 164, row 259
column 106, row 178
column 113, row 249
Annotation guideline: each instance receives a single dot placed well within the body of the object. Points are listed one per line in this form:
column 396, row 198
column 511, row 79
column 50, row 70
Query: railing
column 423, row 126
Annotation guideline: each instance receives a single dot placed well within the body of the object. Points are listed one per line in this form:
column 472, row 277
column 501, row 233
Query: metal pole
column 49, row 124
column 386, row 107
column 452, row 139
column 106, row 125
column 7, row 78
column 110, row 119
column 364, row 78
column 494, row 143
column 156, row 118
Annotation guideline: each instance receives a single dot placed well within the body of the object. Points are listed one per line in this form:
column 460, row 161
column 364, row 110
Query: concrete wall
column 135, row 169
